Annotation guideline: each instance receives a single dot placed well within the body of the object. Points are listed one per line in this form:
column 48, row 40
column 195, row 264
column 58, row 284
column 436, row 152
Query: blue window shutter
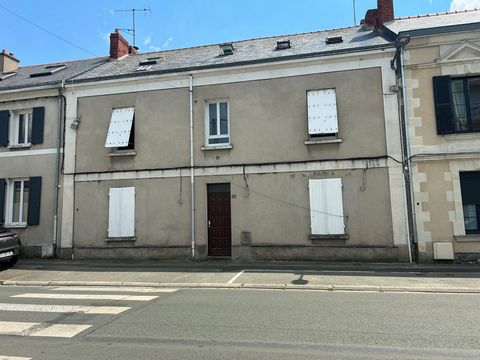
column 38, row 123
column 3, row 184
column 443, row 105
column 4, row 120
column 34, row 200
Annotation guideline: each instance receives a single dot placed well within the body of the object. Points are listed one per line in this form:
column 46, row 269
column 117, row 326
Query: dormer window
column 49, row 70
column 334, row 40
column 283, row 45
column 226, row 49
column 6, row 75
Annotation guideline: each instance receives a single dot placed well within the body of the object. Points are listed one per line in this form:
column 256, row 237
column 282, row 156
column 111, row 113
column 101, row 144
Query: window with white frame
column 326, row 207
column 217, row 121
column 17, row 201
column 121, row 212
column 21, row 128
column 322, row 113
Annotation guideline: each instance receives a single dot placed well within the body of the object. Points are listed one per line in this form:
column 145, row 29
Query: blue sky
column 176, row 23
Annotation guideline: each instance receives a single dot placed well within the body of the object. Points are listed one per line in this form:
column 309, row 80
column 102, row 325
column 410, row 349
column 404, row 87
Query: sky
column 31, row 29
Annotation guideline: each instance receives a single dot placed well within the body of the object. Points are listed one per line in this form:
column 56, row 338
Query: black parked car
column 9, row 247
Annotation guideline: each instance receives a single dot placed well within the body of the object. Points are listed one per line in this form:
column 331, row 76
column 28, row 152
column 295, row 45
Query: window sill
column 468, row 238
column 212, row 148
column 121, row 239
column 16, row 226
column 325, row 141
column 328, row 237
column 471, row 135
column 19, row 147
column 118, row 153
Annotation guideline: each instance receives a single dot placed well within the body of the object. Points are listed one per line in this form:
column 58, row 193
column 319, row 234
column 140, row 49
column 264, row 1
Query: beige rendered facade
column 22, row 161
column 441, row 158
column 267, row 165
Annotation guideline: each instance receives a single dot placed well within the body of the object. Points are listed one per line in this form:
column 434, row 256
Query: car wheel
column 13, row 260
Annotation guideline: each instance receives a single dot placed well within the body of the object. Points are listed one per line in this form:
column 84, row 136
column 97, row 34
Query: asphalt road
column 147, row 323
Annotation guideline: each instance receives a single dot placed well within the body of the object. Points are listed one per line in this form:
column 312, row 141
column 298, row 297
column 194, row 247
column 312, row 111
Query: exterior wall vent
column 334, row 40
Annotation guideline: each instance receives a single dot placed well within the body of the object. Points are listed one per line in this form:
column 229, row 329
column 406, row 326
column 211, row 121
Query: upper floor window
column 322, row 113
column 470, row 183
column 121, row 132
column 217, row 123
column 457, row 104
column 21, row 128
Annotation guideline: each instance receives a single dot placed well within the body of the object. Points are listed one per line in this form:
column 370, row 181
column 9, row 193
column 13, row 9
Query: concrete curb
column 358, row 288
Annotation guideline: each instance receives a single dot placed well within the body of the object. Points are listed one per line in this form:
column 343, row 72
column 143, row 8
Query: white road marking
column 87, row 297
column 3, row 357
column 40, row 329
column 235, row 277
column 115, row 289
column 111, row 310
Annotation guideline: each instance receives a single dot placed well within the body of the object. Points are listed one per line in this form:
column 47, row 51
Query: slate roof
column 246, row 52
column 435, row 21
column 22, row 78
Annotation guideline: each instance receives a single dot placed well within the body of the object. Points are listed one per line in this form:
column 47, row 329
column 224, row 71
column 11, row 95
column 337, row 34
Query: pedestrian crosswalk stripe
column 86, row 297
column 2, row 357
column 116, row 289
column 41, row 329
column 112, row 310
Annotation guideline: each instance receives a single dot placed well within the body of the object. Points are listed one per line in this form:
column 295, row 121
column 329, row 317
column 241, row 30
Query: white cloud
column 147, row 40
column 464, row 4
column 167, row 42
column 154, row 48
column 105, row 36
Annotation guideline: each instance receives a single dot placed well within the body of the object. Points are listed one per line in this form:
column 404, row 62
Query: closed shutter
column 120, row 127
column 443, row 105
column 38, row 123
column 34, row 196
column 3, row 184
column 4, row 120
column 322, row 112
column 121, row 213
column 326, row 207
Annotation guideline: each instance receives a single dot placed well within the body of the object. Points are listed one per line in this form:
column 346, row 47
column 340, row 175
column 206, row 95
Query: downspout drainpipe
column 408, row 165
column 61, row 114
column 192, row 170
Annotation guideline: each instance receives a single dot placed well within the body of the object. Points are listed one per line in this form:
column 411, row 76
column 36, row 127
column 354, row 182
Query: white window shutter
column 120, row 127
column 121, row 214
column 326, row 207
column 322, row 112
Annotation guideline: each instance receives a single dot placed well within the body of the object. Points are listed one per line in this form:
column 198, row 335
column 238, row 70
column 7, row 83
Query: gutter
column 192, row 163
column 60, row 122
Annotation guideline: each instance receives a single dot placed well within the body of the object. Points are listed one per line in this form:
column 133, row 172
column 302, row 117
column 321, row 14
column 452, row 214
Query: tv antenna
column 132, row 29
column 354, row 14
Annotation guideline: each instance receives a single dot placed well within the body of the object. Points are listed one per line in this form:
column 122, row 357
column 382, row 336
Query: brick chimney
column 382, row 14
column 385, row 11
column 7, row 62
column 119, row 46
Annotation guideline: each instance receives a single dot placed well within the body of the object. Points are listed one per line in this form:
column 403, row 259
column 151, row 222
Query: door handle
column 209, row 224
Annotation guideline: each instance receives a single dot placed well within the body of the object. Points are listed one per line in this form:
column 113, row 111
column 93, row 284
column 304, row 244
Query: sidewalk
column 444, row 278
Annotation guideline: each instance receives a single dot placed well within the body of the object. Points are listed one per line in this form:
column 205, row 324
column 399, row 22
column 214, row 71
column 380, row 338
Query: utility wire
column 47, row 31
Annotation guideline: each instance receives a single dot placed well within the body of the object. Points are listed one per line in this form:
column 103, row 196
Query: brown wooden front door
column 219, row 220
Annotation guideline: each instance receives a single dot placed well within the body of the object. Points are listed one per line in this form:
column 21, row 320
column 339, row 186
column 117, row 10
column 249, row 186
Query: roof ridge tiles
column 437, row 14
